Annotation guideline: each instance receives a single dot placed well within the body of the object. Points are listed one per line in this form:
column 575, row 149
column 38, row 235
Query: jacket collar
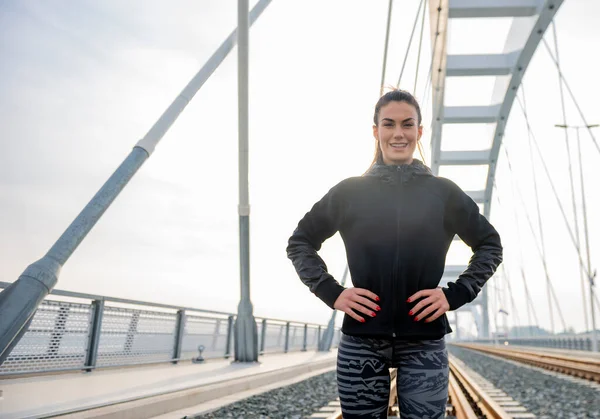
column 403, row 173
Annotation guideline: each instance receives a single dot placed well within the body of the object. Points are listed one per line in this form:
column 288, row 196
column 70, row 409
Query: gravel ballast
column 544, row 395
column 295, row 401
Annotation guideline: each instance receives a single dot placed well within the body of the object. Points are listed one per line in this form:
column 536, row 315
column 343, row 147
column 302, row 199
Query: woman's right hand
column 353, row 300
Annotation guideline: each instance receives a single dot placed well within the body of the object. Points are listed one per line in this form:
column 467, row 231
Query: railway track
column 470, row 397
column 586, row 368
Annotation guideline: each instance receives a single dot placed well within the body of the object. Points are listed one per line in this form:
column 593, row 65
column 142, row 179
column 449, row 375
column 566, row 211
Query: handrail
column 82, row 295
column 69, row 336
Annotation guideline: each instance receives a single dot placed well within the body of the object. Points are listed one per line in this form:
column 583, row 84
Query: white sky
column 82, row 82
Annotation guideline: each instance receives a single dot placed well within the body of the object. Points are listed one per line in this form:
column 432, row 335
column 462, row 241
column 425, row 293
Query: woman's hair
column 395, row 95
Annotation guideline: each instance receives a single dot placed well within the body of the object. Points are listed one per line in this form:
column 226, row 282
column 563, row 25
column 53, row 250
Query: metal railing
column 96, row 331
column 582, row 343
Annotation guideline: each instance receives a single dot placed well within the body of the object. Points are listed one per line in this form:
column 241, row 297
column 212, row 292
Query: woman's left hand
column 434, row 301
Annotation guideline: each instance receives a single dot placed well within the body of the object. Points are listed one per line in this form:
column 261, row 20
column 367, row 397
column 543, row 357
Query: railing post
column 216, row 335
column 229, row 335
column 305, row 337
column 287, row 337
column 281, row 328
column 94, row 341
column 292, row 339
column 179, row 332
column 319, row 337
column 263, row 336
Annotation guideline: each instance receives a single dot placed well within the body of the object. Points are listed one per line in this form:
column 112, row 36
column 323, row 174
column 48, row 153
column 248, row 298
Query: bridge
column 473, row 73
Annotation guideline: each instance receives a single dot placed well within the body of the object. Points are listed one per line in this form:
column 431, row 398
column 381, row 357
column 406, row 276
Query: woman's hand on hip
column 433, row 301
column 353, row 300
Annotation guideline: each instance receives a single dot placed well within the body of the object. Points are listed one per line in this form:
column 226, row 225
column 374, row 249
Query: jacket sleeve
column 320, row 223
column 463, row 218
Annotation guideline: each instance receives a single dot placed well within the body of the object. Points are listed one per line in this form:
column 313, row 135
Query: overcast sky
column 83, row 81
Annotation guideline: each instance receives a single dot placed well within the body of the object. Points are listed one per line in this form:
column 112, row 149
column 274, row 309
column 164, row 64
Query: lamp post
column 20, row 300
column 585, row 229
column 246, row 335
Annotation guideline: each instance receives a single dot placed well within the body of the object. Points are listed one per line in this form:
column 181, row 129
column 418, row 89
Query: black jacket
column 397, row 223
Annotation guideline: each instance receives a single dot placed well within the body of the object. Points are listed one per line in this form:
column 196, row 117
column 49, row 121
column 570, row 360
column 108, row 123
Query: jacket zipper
column 397, row 257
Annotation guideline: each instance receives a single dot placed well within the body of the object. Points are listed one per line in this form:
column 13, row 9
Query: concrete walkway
column 43, row 396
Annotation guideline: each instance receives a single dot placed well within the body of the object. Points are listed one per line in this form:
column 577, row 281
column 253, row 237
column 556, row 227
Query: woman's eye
column 409, row 125
column 387, row 125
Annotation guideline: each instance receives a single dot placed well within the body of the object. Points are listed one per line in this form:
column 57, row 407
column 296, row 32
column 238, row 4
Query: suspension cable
column 574, row 202
column 539, row 216
column 560, row 206
column 572, row 95
column 530, row 224
column 385, row 50
column 528, row 299
column 420, row 46
column 409, row 44
column 426, row 89
column 512, row 300
column 505, row 271
column 428, row 83
column 586, row 237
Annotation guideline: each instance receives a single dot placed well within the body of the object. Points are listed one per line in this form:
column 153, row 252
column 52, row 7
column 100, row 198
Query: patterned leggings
column 364, row 381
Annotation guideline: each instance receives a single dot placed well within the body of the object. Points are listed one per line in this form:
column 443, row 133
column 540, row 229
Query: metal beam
column 481, row 64
column 438, row 18
column 505, row 92
column 524, row 36
column 478, row 301
column 467, row 307
column 492, row 8
column 246, row 333
column 470, row 114
column 451, row 273
column 459, row 158
column 454, row 270
column 477, row 196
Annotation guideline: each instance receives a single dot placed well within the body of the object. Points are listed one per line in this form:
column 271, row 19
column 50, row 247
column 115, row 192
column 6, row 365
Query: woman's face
column 397, row 131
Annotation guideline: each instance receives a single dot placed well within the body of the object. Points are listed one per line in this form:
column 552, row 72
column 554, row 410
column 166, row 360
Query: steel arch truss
column 530, row 19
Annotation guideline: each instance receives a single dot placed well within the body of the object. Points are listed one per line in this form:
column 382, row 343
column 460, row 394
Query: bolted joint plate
column 46, row 271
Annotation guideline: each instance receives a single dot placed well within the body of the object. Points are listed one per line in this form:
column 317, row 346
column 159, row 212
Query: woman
column 397, row 222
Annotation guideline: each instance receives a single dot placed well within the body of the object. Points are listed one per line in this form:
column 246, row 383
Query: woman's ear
column 375, row 133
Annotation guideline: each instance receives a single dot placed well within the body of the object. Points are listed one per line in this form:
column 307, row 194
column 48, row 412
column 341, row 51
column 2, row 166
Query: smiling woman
column 397, row 222
column 397, row 128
